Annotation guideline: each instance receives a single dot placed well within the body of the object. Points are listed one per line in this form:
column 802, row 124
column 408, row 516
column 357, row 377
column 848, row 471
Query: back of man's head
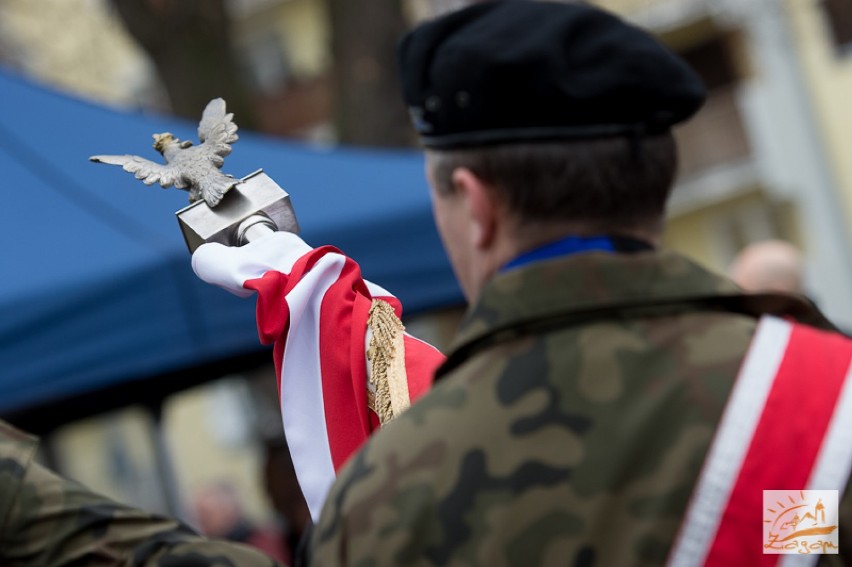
column 606, row 185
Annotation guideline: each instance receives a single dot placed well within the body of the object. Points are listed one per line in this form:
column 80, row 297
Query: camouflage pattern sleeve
column 46, row 520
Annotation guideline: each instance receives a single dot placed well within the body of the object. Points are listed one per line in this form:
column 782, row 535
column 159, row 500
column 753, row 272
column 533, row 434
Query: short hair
column 604, row 183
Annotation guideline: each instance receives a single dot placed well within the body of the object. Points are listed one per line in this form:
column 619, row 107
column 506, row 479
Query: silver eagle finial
column 188, row 167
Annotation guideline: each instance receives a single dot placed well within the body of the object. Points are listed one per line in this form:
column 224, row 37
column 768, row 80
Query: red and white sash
column 787, row 426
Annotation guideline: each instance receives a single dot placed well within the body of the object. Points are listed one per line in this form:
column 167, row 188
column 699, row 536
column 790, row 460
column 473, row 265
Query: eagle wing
column 147, row 171
column 217, row 131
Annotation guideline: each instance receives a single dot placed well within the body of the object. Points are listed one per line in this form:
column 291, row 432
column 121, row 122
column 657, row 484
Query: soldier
column 603, row 401
column 46, row 520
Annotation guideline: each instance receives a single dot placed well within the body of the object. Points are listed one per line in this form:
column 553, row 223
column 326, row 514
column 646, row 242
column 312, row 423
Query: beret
column 524, row 70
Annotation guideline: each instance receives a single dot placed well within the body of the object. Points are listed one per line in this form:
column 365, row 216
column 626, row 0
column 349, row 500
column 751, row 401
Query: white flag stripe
column 229, row 267
column 302, row 408
column 377, row 290
column 728, row 450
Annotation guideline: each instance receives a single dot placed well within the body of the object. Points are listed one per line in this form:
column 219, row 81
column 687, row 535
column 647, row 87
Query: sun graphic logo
column 800, row 521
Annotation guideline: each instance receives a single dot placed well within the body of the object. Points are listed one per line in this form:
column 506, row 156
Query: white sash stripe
column 302, row 406
column 732, row 439
column 834, row 461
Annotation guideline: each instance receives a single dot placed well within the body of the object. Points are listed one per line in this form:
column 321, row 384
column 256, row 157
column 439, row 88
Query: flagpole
column 254, row 227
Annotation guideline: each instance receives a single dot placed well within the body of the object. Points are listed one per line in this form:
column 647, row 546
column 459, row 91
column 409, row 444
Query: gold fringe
column 386, row 353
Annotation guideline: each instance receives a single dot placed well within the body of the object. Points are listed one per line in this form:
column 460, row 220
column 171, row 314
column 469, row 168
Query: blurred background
column 312, row 84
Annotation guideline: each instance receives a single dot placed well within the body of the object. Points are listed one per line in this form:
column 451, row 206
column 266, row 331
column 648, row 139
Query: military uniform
column 46, row 520
column 568, row 426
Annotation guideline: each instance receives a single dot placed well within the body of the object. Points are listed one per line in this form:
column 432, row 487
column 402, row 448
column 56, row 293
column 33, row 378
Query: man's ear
column 482, row 206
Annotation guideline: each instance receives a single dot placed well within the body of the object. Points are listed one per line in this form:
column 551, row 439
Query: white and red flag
column 314, row 306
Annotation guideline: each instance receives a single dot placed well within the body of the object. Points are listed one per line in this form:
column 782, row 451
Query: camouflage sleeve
column 383, row 509
column 47, row 520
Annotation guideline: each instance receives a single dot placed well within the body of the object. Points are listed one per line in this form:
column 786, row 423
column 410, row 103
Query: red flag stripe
column 421, row 361
column 343, row 366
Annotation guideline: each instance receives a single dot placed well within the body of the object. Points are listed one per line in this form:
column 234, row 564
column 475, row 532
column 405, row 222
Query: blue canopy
column 98, row 295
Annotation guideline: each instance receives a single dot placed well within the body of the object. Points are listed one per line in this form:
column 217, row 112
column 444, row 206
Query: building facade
column 765, row 158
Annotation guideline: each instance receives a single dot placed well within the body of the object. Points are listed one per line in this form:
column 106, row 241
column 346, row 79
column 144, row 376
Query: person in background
column 50, row 521
column 220, row 515
column 768, row 265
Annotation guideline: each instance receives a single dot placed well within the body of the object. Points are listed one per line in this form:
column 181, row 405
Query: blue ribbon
column 563, row 247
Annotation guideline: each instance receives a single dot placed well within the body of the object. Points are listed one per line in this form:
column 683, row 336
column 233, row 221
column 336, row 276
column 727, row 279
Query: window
column 838, row 14
column 712, row 60
column 267, row 62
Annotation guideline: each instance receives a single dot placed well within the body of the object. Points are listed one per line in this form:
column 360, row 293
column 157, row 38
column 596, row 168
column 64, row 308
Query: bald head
column 770, row 265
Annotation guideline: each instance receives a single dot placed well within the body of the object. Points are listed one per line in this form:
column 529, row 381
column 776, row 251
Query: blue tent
column 99, row 304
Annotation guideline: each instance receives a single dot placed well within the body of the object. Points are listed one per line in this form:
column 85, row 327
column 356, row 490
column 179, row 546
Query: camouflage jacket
column 46, row 520
column 567, row 427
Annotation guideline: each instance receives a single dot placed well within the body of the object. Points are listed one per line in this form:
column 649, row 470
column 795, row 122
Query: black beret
column 524, row 70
